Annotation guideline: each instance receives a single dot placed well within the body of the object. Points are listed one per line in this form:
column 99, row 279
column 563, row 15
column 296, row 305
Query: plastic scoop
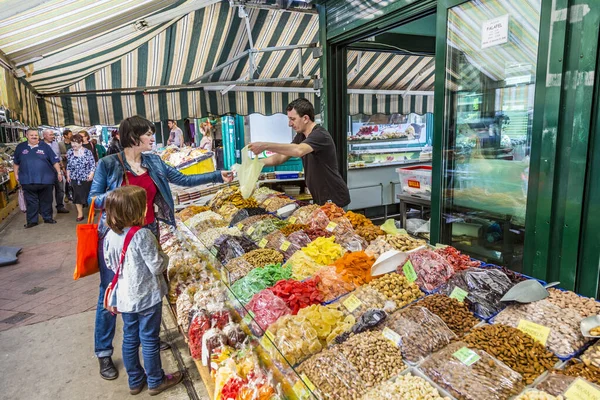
column 589, row 323
column 388, row 262
column 528, row 291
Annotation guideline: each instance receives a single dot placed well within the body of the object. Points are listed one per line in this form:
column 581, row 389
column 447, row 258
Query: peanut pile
column 397, row 288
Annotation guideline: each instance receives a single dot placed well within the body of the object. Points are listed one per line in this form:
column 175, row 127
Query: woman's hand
column 227, row 176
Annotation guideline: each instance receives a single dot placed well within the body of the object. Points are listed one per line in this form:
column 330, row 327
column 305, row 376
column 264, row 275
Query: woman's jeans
column 143, row 328
column 104, row 330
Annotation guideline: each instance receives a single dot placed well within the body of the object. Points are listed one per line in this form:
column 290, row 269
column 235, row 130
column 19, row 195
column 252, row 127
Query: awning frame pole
column 300, row 66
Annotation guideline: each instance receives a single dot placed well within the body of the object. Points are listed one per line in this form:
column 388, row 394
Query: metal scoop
column 528, row 291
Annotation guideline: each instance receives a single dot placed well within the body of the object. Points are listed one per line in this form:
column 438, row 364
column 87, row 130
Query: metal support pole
column 251, row 69
column 300, row 70
column 220, row 67
column 243, row 14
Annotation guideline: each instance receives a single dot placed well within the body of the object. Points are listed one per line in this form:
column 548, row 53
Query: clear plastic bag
column 318, row 220
column 244, row 213
column 422, row 332
column 324, row 250
column 183, row 306
column 234, row 334
column 329, row 371
column 362, row 300
column 228, row 248
column 294, row 338
column 227, row 211
column 565, row 337
column 267, row 308
column 273, row 241
column 303, row 215
column 199, row 325
column 592, row 355
column 327, row 321
column 238, row 268
column 431, row 268
column 332, row 285
column 303, row 266
column 248, row 172
column 404, row 387
column 557, row 384
column 260, row 229
column 299, row 238
column 212, row 340
column 378, row 247
column 485, row 287
column 487, row 378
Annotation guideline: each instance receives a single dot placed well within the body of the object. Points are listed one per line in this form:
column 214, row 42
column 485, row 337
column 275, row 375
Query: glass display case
column 380, row 140
column 489, row 99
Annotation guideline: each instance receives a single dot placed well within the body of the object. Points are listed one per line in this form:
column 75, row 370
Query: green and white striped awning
column 152, row 49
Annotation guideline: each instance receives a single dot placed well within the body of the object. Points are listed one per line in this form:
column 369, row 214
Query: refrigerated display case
column 488, row 123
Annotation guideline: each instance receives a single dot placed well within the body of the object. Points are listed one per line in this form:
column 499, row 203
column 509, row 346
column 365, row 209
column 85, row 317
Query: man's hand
column 227, row 176
column 258, row 147
column 91, row 177
column 60, row 178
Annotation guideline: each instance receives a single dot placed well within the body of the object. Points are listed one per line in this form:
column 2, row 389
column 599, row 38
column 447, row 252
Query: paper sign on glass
column 494, row 32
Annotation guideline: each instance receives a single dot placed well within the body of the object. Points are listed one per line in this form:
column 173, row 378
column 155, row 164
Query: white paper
column 494, row 32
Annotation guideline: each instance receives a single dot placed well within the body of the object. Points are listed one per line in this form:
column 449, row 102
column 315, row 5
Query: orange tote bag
column 87, row 247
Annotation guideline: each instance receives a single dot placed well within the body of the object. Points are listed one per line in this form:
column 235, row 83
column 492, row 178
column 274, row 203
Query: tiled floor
column 41, row 284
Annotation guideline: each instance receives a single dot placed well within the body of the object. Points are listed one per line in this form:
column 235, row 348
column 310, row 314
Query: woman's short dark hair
column 131, row 130
column 77, row 138
column 303, row 107
column 125, row 206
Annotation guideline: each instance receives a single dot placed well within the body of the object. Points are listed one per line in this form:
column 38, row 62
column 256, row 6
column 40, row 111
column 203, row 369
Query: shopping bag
column 248, row 173
column 22, row 203
column 70, row 193
column 86, row 262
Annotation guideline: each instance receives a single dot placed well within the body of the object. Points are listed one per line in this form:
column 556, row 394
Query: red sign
column 414, row 184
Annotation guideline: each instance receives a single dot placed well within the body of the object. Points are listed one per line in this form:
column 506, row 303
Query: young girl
column 141, row 287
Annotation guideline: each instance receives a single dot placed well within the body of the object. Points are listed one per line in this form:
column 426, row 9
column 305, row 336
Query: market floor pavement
column 47, row 324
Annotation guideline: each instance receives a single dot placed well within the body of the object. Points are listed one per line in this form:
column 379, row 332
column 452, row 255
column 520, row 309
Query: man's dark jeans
column 39, row 201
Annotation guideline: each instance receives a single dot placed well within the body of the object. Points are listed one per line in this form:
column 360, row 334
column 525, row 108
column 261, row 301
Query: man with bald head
column 59, row 189
column 36, row 168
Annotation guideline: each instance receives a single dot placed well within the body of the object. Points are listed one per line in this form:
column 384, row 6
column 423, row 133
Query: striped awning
column 371, row 104
column 152, row 49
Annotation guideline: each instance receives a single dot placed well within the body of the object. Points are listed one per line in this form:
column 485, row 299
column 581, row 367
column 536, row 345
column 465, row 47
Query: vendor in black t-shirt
column 317, row 150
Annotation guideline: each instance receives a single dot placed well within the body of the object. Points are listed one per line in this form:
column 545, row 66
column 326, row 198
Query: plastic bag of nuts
column 516, row 349
column 486, row 378
column 592, row 355
column 485, row 288
column 566, row 299
column 397, row 288
column 375, row 357
column 565, row 337
column 577, row 368
column 455, row 314
column 378, row 247
column 405, row 387
column 363, row 299
column 557, row 384
column 532, row 394
column 421, row 332
column 333, row 375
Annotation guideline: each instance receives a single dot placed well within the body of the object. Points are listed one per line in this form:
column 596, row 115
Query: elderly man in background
column 59, row 191
column 36, row 168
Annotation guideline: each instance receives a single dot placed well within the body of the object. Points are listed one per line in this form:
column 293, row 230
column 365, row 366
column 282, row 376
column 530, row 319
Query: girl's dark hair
column 131, row 130
column 77, row 138
column 125, row 206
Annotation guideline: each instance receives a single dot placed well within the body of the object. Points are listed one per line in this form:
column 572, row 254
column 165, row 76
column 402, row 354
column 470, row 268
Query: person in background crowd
column 89, row 145
column 140, row 289
column 80, row 172
column 100, row 150
column 115, row 144
column 316, row 148
column 36, row 168
column 66, row 143
column 207, row 141
column 176, row 135
column 59, row 191
column 64, row 146
column 134, row 166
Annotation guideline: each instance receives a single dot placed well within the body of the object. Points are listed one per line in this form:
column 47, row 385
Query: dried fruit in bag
column 324, row 250
column 302, row 265
column 432, row 269
column 355, row 267
column 267, row 308
column 298, row 294
column 332, row 285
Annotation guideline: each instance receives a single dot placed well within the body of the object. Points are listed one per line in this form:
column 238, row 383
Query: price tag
column 331, row 226
column 240, row 226
column 284, row 246
column 308, row 382
column 538, row 332
column 467, row 356
column 214, row 251
column 267, row 202
column 300, row 390
column 409, row 271
column 250, row 230
column 263, row 243
column 352, row 303
column 459, row 294
column 248, row 317
column 391, row 335
column 582, row 390
column 292, row 220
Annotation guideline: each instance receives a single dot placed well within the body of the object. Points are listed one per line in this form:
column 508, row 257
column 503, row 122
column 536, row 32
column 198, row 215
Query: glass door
column 490, row 76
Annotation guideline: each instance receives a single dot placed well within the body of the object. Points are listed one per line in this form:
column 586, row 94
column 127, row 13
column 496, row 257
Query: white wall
column 273, row 128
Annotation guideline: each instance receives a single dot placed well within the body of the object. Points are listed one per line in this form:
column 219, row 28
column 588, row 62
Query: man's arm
column 275, row 159
column 288, row 150
column 58, row 171
column 16, row 171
